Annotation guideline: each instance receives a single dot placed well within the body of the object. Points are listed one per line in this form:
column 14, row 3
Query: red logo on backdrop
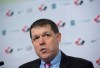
column 8, row 50
column 42, row 7
column 9, row 13
column 97, row 19
column 25, row 29
column 79, row 41
column 98, row 61
column 60, row 23
column 78, row 2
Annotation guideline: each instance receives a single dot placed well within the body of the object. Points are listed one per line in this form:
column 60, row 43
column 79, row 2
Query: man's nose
column 42, row 41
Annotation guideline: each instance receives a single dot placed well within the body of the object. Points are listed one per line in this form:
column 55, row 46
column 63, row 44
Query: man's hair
column 44, row 22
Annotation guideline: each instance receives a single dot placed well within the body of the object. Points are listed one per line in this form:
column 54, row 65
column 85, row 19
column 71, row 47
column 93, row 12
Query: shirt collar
column 55, row 60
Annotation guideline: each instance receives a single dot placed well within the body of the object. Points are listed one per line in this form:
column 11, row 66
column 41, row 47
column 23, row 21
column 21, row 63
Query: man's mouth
column 43, row 50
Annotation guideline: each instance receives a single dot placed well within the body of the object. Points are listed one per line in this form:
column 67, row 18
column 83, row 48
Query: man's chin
column 45, row 57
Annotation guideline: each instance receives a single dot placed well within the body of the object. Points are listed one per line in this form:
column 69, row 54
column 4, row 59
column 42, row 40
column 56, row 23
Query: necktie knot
column 47, row 65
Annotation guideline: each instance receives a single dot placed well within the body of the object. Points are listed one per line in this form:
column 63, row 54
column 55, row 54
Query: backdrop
column 78, row 21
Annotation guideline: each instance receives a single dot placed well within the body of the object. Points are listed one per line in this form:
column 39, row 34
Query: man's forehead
column 42, row 26
column 40, row 30
column 42, row 33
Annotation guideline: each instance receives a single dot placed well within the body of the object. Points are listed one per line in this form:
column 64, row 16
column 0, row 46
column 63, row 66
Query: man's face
column 45, row 42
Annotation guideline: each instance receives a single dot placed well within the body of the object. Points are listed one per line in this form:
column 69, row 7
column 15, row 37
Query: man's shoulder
column 30, row 64
column 76, row 61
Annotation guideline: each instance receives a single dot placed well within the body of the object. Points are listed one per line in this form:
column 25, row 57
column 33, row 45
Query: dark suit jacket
column 66, row 62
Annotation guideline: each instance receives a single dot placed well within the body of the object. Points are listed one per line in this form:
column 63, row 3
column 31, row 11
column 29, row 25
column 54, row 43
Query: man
column 45, row 38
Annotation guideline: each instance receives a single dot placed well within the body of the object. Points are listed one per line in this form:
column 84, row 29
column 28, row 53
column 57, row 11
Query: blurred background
column 78, row 21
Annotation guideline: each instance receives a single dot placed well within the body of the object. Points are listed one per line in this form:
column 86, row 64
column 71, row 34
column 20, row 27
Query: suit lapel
column 64, row 61
column 36, row 64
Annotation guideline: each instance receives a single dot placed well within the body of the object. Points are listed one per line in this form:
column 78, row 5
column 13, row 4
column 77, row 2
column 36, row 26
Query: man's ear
column 59, row 37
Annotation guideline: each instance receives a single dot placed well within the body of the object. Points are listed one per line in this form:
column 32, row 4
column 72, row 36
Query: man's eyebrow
column 46, row 32
column 34, row 36
column 49, row 33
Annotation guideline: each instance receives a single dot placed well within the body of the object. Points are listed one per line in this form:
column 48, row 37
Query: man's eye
column 35, row 38
column 47, row 35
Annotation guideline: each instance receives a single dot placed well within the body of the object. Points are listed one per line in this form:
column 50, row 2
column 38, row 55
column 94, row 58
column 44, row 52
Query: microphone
column 1, row 63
